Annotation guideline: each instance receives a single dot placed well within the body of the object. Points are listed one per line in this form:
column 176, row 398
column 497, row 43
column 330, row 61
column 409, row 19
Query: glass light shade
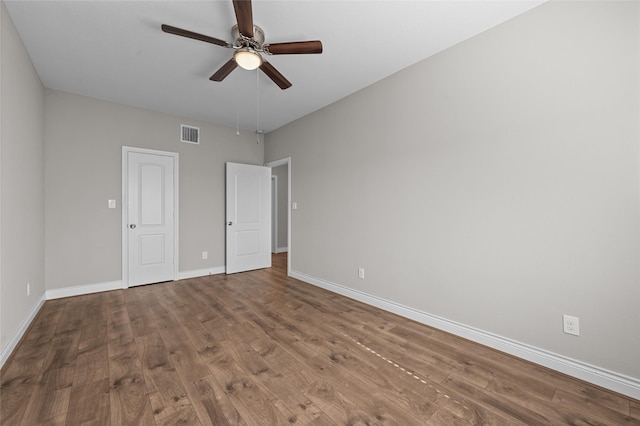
column 247, row 58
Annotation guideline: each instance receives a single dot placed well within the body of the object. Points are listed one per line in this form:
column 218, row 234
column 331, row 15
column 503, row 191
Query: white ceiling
column 115, row 50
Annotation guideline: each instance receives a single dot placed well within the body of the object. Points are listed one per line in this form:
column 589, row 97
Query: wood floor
column 260, row 348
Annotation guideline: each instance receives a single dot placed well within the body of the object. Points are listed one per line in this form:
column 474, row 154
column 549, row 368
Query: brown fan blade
column 190, row 34
column 244, row 16
column 294, row 47
column 224, row 70
column 275, row 75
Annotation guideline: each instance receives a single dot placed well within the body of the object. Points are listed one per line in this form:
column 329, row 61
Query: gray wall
column 21, row 184
column 282, row 172
column 84, row 139
column 495, row 184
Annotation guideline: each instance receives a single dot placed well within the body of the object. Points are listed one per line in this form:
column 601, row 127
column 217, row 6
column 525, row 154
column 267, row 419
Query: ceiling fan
column 248, row 46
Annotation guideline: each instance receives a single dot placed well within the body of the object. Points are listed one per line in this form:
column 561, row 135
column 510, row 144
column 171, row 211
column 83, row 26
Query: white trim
column 24, row 326
column 125, row 207
column 616, row 382
column 274, row 213
column 277, row 163
column 282, row 250
column 289, row 197
column 195, row 273
column 80, row 290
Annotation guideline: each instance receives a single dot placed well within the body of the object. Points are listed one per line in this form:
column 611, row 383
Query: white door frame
column 125, row 209
column 274, row 214
column 277, row 163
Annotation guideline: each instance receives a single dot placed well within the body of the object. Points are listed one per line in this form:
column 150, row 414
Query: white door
column 248, row 217
column 151, row 223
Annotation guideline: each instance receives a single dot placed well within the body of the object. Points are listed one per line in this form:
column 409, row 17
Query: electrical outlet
column 571, row 325
column 205, row 255
column 28, row 289
column 361, row 273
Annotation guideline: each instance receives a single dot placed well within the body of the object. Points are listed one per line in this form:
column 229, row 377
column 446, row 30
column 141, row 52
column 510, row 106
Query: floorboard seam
column 407, row 371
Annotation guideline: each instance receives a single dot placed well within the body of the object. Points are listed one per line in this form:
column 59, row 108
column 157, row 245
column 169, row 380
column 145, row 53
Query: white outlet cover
column 571, row 325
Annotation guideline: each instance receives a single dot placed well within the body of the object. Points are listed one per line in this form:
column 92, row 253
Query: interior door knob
column 230, row 223
column 132, row 226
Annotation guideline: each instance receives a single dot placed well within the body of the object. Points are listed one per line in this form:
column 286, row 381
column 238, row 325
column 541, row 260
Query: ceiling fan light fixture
column 247, row 58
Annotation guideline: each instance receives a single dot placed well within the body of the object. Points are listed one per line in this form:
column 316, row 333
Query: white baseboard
column 15, row 339
column 117, row 285
column 195, row 273
column 83, row 289
column 620, row 383
column 282, row 250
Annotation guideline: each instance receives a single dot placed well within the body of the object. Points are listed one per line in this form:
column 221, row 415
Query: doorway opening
column 281, row 243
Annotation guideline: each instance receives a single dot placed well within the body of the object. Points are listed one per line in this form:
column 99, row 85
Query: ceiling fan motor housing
column 256, row 42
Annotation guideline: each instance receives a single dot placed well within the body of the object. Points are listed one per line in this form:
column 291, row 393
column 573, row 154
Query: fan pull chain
column 257, row 106
column 238, row 109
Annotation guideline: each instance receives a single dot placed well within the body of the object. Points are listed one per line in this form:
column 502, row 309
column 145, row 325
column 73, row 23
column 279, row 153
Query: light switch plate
column 112, row 204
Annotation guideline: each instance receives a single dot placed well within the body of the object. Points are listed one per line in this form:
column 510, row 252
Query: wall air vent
column 189, row 134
